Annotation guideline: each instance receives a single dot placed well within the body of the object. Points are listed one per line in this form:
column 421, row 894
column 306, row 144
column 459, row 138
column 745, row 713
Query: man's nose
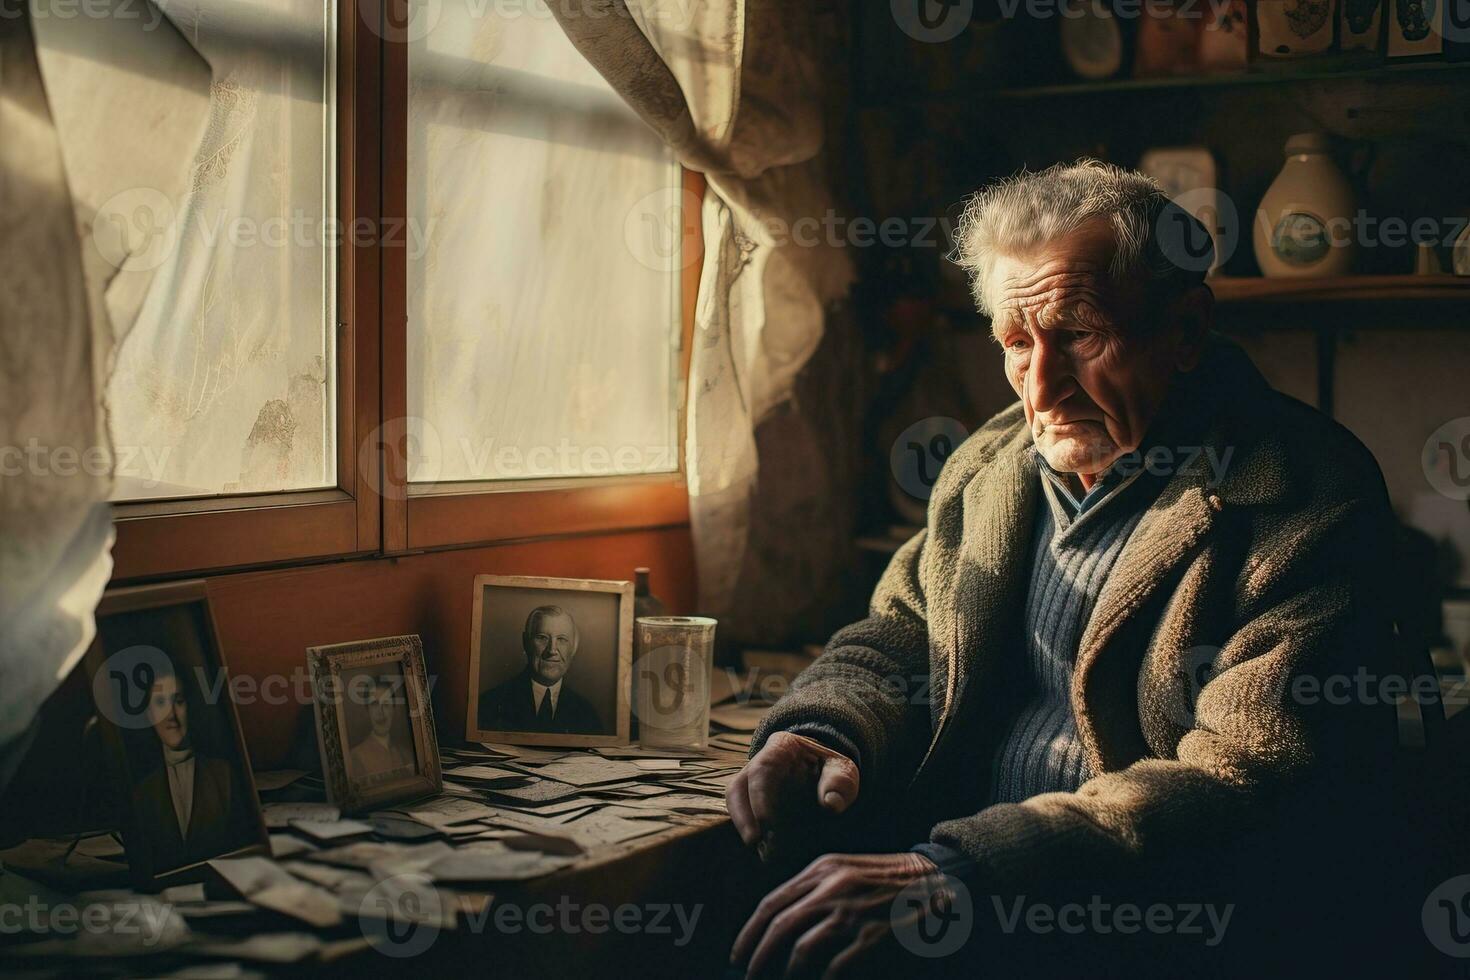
column 1050, row 377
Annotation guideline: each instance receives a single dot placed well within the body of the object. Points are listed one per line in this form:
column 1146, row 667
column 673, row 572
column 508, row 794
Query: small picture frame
column 374, row 722
column 169, row 724
column 550, row 661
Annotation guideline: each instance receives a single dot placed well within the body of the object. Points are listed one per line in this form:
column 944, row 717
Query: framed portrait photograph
column 374, row 722
column 162, row 693
column 550, row 661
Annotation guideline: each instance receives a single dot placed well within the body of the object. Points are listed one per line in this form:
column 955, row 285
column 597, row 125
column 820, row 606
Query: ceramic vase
column 1304, row 225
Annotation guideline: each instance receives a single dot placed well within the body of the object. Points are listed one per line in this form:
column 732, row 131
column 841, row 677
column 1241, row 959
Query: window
column 225, row 383
column 543, row 328
column 427, row 289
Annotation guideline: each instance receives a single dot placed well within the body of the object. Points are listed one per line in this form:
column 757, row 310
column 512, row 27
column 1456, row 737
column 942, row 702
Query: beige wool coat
column 1193, row 685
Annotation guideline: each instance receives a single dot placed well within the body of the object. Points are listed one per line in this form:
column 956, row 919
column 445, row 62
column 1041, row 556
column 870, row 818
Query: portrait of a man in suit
column 538, row 699
column 386, row 748
column 191, row 807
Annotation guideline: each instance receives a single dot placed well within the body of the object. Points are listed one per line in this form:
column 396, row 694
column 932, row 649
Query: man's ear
column 1194, row 319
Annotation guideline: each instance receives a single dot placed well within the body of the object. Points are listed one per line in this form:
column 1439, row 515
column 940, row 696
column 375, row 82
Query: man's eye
column 1018, row 343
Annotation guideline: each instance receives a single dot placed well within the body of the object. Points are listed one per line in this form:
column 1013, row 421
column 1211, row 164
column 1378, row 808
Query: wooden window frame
column 372, row 510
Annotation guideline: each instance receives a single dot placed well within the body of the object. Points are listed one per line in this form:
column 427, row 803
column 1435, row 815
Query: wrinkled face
column 1090, row 368
column 380, row 709
column 550, row 647
column 168, row 713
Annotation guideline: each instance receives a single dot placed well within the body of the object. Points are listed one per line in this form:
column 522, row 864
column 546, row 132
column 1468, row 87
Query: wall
column 267, row 619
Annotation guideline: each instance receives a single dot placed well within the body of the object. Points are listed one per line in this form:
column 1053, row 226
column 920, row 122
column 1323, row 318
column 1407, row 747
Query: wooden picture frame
column 594, row 616
column 188, row 790
column 357, row 687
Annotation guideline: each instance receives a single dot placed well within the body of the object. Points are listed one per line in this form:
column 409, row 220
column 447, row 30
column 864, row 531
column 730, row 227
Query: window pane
column 539, row 344
column 226, row 383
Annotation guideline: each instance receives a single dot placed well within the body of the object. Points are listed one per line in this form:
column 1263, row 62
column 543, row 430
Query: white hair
column 1031, row 209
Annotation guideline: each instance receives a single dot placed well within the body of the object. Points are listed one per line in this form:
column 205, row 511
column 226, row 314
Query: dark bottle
column 645, row 603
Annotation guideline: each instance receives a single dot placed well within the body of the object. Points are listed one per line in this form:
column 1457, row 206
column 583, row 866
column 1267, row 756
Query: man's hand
column 831, row 919
column 788, row 775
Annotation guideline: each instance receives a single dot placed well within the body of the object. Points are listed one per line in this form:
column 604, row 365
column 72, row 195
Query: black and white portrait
column 161, row 691
column 380, row 731
column 549, row 661
column 375, row 725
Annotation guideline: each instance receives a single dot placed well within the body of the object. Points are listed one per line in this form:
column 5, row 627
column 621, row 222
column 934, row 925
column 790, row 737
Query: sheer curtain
column 57, row 289
column 531, row 354
column 733, row 88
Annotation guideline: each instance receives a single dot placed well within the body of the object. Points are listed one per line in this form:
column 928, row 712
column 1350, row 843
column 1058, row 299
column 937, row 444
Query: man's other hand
column 835, row 918
column 787, row 776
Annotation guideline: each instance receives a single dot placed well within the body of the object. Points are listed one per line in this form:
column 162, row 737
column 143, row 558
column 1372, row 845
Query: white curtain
column 733, row 87
column 65, row 277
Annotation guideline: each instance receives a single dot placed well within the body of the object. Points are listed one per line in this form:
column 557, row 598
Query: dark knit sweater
column 1074, row 546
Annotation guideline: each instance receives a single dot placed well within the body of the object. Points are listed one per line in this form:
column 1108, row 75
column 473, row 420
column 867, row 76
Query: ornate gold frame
column 325, row 665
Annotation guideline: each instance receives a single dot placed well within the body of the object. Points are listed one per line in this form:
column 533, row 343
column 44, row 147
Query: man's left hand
column 829, row 919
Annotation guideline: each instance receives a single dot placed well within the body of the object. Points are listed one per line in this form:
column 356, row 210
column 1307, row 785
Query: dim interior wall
column 1394, row 388
column 267, row 619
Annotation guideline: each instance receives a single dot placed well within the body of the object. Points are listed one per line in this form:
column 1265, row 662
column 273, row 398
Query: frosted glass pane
column 539, row 344
column 226, row 383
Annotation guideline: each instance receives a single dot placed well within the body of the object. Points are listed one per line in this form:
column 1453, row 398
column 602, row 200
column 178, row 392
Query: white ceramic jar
column 1305, row 224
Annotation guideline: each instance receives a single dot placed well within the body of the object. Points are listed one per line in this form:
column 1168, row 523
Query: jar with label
column 1305, row 225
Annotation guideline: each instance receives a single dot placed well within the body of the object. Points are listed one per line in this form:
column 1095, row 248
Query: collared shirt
column 180, row 766
column 539, row 690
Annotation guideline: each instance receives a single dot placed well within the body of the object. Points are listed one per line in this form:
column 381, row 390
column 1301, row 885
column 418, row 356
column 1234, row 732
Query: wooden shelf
column 1255, row 290
column 1256, row 75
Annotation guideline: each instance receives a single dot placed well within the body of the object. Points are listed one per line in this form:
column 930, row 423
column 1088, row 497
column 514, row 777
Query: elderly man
column 1095, row 663
column 537, row 699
